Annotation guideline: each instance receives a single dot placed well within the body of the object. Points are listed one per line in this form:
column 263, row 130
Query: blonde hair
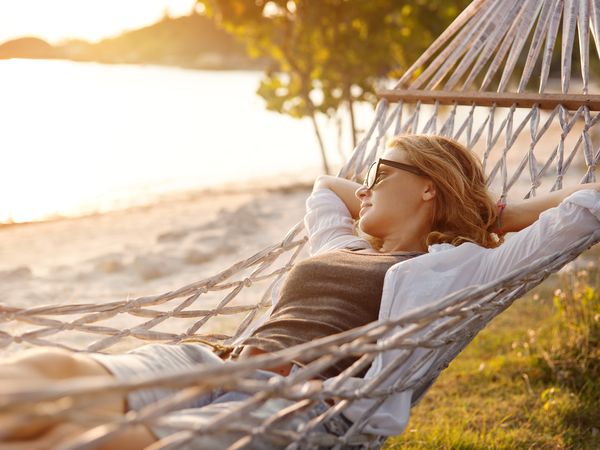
column 464, row 210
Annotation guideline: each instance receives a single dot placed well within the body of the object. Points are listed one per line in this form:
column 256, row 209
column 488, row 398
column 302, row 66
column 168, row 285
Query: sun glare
column 91, row 20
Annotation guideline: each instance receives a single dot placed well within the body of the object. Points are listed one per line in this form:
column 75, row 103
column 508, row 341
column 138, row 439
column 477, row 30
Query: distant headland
column 191, row 41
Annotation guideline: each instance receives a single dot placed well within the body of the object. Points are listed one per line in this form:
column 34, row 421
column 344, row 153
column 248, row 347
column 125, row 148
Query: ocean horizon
column 83, row 138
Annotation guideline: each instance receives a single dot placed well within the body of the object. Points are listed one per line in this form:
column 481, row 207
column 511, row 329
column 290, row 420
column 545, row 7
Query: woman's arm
column 575, row 218
column 515, row 217
column 343, row 188
column 330, row 216
column 519, row 215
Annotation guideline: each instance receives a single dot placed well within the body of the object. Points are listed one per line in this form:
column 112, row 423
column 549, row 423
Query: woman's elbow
column 322, row 181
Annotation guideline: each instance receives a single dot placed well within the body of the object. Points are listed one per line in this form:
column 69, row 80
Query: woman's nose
column 361, row 192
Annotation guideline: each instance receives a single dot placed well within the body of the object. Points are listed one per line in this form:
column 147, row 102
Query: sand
column 144, row 250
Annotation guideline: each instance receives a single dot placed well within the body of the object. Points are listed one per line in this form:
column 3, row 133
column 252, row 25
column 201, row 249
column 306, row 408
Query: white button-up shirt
column 445, row 269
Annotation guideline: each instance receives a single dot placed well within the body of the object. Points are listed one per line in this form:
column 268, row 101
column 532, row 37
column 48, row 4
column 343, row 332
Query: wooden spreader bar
column 544, row 101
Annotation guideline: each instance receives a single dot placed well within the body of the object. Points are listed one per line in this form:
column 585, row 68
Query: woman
column 432, row 229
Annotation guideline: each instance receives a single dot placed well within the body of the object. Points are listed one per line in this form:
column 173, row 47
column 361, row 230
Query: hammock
column 465, row 86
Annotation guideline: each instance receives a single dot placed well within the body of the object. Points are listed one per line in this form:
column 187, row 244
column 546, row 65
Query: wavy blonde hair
column 464, row 210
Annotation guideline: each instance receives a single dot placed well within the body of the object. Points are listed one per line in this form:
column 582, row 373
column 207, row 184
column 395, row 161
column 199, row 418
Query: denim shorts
column 159, row 359
column 163, row 359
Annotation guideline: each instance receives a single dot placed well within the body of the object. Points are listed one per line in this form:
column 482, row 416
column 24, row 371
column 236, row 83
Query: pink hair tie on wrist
column 500, row 205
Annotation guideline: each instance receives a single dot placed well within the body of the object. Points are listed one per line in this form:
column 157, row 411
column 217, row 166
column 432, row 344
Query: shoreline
column 145, row 251
column 253, row 187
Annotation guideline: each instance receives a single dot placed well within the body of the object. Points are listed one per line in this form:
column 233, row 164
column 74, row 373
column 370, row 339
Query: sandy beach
column 143, row 250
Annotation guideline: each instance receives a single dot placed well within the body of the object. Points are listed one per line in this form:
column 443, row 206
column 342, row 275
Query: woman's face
column 396, row 200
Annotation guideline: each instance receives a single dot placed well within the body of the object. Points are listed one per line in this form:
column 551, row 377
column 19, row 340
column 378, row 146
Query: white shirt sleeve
column 425, row 280
column 329, row 224
column 576, row 217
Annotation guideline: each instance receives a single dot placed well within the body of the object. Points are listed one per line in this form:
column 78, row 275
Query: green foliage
column 328, row 53
column 572, row 353
column 529, row 380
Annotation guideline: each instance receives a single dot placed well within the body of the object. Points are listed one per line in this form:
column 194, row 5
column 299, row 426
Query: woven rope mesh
column 502, row 46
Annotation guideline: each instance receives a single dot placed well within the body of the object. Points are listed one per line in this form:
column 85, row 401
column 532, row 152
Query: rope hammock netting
column 528, row 133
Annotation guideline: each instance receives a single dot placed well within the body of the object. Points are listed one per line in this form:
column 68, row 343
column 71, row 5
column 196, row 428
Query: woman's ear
column 429, row 191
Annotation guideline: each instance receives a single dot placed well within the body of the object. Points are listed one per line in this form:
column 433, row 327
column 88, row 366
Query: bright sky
column 92, row 20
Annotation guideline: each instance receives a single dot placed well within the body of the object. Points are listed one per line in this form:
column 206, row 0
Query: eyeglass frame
column 395, row 164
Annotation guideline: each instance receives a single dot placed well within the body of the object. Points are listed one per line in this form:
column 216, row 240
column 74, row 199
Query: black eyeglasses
column 371, row 178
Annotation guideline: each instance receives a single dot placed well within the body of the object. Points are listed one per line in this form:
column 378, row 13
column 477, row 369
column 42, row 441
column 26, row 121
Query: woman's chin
column 365, row 228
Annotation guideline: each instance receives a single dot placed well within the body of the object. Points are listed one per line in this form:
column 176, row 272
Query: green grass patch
column 530, row 380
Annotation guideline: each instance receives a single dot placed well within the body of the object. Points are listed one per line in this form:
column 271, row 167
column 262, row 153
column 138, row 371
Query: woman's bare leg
column 39, row 367
column 133, row 438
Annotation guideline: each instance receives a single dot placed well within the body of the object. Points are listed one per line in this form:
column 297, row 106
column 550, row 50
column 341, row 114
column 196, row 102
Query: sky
column 92, row 20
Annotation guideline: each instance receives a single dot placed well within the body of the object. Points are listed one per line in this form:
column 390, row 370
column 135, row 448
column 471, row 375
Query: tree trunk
column 348, row 97
column 352, row 122
column 305, row 88
column 313, row 118
column 321, row 145
column 340, row 136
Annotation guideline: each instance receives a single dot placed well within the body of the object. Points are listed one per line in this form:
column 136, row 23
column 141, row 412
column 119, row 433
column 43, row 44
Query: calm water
column 83, row 137
column 77, row 138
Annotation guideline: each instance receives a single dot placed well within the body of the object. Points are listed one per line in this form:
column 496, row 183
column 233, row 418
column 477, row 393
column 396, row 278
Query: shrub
column 572, row 357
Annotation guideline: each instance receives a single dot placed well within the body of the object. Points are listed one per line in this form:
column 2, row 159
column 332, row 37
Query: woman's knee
column 57, row 363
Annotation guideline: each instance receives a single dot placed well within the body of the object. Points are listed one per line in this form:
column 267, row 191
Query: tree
column 328, row 54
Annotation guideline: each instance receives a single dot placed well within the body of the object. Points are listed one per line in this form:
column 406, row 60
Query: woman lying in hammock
column 433, row 230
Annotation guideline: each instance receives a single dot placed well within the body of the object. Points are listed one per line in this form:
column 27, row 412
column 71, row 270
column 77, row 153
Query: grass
column 530, row 380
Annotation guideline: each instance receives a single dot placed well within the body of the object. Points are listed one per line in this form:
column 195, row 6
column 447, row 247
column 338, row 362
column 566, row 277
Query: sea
column 79, row 138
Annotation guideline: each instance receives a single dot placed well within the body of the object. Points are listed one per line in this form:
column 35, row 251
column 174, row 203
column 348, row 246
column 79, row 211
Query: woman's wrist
column 344, row 189
column 501, row 205
column 518, row 215
column 514, row 218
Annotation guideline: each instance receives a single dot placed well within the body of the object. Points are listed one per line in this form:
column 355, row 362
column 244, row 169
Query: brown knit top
column 324, row 295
